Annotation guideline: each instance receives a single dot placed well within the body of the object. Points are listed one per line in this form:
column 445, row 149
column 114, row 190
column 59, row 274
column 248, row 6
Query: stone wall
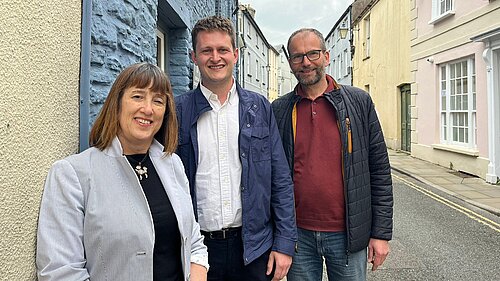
column 123, row 33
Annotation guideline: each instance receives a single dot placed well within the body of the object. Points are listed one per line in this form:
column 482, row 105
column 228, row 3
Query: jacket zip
column 349, row 135
column 349, row 150
column 294, row 132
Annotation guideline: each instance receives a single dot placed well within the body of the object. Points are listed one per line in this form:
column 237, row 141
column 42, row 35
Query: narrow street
column 438, row 237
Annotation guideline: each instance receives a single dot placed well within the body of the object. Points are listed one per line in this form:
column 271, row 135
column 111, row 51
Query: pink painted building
column 455, row 104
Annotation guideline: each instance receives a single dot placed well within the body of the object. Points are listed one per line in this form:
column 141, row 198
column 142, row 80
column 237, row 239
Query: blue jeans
column 316, row 246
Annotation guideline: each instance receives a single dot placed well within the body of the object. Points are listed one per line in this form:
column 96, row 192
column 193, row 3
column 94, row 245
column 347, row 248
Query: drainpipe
column 85, row 74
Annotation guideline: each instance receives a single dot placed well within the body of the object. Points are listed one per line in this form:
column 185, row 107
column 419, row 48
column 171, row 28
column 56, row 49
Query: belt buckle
column 212, row 236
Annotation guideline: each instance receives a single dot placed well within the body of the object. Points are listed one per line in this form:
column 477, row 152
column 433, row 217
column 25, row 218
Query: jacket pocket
column 260, row 144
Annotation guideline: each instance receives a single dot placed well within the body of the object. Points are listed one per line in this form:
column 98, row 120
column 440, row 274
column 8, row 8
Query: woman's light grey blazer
column 95, row 223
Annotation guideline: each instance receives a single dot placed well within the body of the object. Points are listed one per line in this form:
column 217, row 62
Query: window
column 257, row 70
column 333, row 69
column 249, row 65
column 458, row 103
column 263, row 74
column 366, row 44
column 218, row 9
column 249, row 29
column 346, row 64
column 338, row 69
column 160, row 49
column 342, row 65
column 441, row 9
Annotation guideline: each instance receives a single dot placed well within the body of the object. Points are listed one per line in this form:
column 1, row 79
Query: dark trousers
column 225, row 257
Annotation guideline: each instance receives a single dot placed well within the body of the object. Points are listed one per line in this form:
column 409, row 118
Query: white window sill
column 442, row 17
column 456, row 149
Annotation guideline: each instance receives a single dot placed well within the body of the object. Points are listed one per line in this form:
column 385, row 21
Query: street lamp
column 343, row 29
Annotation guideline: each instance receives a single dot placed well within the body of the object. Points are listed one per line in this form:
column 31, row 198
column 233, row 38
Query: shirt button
column 314, row 112
column 243, row 154
column 248, row 125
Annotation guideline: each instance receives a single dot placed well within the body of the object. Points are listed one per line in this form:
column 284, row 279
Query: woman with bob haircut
column 121, row 210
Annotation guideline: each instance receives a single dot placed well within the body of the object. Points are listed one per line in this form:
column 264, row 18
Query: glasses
column 311, row 56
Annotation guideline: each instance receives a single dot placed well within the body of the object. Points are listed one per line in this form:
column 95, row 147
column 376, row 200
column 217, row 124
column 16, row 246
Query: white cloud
column 279, row 18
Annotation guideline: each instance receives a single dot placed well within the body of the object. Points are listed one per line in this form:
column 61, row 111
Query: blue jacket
column 266, row 185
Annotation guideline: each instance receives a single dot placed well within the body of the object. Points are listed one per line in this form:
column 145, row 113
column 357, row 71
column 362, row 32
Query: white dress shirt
column 218, row 176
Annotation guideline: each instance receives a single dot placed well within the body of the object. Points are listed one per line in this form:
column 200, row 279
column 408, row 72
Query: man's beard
column 320, row 72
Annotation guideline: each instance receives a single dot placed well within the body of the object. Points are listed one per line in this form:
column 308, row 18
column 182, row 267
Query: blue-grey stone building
column 117, row 33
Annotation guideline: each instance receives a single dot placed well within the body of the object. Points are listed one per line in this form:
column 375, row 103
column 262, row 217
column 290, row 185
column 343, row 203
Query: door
column 405, row 117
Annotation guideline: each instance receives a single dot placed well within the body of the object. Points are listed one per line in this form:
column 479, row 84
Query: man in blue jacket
column 238, row 173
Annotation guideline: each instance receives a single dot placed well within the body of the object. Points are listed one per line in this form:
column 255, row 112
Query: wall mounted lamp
column 343, row 29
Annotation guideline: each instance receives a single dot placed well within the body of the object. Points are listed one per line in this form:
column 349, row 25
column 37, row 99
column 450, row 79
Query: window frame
column 346, row 62
column 458, row 125
column 161, row 52
column 438, row 14
column 257, row 66
column 367, row 37
column 249, row 64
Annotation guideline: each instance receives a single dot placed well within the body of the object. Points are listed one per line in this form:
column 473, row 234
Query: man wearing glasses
column 337, row 154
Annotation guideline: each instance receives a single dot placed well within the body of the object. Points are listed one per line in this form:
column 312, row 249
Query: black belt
column 225, row 233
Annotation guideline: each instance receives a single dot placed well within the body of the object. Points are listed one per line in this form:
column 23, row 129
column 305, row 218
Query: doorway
column 405, row 117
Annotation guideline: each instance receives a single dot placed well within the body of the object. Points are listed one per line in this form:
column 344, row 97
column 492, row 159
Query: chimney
column 249, row 8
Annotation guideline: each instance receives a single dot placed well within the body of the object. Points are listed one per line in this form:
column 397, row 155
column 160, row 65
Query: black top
column 167, row 264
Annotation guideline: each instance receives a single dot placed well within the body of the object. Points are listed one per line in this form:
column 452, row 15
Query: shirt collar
column 214, row 100
column 332, row 85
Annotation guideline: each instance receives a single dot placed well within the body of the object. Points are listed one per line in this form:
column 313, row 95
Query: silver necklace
column 141, row 170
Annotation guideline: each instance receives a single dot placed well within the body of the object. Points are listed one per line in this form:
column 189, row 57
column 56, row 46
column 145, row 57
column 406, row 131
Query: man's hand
column 377, row 252
column 282, row 262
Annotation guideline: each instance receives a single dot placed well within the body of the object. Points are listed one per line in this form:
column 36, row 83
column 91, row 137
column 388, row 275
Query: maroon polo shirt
column 319, row 187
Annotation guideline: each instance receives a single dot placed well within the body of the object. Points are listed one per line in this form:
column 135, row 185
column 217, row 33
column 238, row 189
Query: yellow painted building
column 273, row 74
column 381, row 63
column 39, row 116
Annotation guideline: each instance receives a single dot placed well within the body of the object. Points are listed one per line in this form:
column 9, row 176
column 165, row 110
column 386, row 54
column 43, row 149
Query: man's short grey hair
column 311, row 30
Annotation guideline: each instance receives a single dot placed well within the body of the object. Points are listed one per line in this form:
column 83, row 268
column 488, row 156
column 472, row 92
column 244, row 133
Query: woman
column 121, row 210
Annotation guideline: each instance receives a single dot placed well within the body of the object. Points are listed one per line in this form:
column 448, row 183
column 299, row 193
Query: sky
column 279, row 18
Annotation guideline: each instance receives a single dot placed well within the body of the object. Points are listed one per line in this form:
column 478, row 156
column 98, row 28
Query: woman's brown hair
column 140, row 75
